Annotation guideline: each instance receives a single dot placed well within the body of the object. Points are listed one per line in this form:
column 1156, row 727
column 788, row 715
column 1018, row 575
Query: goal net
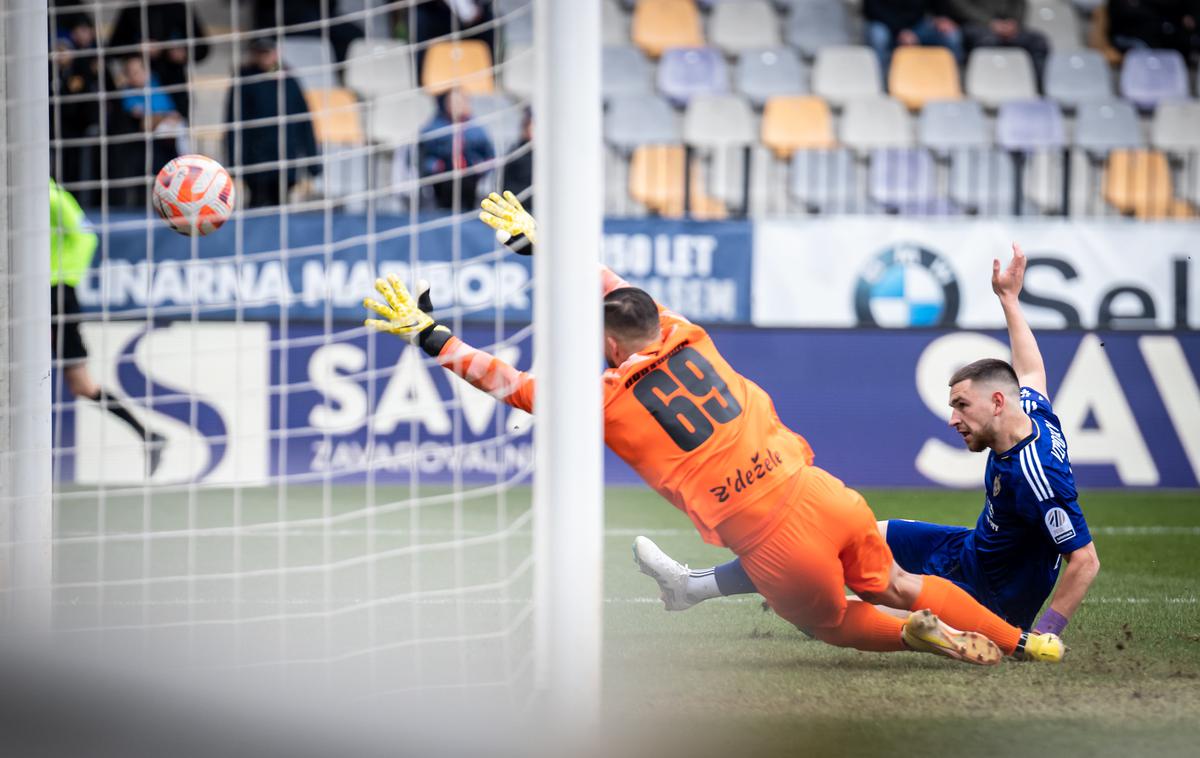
column 244, row 476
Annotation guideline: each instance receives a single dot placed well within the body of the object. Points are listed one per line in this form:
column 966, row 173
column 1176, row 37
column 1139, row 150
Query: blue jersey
column 1031, row 517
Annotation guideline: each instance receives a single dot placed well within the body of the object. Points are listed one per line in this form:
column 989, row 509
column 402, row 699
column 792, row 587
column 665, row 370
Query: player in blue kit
column 1031, row 520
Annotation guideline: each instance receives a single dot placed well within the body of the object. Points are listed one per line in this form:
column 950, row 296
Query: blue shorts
column 923, row 548
column 937, row 550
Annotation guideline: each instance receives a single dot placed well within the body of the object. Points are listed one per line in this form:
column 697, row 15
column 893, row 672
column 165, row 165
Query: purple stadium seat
column 1030, row 125
column 1150, row 76
column 687, row 71
column 903, row 177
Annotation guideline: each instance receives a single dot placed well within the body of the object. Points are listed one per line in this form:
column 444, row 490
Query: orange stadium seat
column 466, row 64
column 660, row 24
column 656, row 180
column 1138, row 182
column 797, row 122
column 921, row 74
column 336, row 116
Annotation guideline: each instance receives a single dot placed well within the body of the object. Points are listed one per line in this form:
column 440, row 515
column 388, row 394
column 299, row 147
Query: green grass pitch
column 732, row 679
column 725, row 678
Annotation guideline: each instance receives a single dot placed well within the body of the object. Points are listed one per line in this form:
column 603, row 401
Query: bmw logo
column 904, row 286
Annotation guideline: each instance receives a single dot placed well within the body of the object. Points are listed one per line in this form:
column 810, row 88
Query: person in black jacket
column 75, row 86
column 1161, row 24
column 171, row 33
column 270, row 136
column 315, row 18
column 892, row 23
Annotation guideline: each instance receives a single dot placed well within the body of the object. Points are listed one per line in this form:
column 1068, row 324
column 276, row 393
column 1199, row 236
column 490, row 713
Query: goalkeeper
column 72, row 246
column 709, row 441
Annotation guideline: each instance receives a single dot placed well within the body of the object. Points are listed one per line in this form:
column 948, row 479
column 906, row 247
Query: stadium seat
column 998, row 74
column 344, row 175
column 1150, row 76
column 380, row 67
column 633, row 120
column 1100, row 127
column 336, row 116
column 662, row 24
column 719, row 121
column 1030, row 125
column 397, row 119
column 515, row 18
column 1043, row 180
column 625, row 71
column 1138, row 182
column 1057, row 20
column 921, row 74
column 309, row 60
column 763, row 74
column 983, row 181
column 517, row 74
column 745, row 25
column 815, row 25
column 902, row 178
column 1077, row 77
column 466, row 64
column 501, row 117
column 876, row 122
column 798, row 122
column 1176, row 126
column 689, row 71
column 846, row 72
column 825, row 181
column 656, row 180
column 222, row 60
column 208, row 114
column 946, row 125
column 614, row 25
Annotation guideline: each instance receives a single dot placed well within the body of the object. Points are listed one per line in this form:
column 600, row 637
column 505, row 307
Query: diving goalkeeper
column 709, row 441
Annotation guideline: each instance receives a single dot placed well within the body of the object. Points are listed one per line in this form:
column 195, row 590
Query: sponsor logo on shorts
column 1059, row 525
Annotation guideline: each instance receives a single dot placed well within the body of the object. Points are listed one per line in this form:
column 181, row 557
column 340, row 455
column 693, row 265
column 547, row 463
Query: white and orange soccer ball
column 194, row 194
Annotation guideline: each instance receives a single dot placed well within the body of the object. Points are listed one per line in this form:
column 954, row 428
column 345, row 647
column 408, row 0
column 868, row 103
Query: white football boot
column 671, row 575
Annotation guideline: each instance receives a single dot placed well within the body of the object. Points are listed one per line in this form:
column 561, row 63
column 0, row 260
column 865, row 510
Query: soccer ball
column 194, row 194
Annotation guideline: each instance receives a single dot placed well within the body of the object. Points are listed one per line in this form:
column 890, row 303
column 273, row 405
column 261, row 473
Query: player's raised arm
column 409, row 319
column 516, row 229
column 1027, row 359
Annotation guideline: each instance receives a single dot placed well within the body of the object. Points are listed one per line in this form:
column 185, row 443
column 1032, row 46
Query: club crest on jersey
column 1059, row 525
column 996, row 486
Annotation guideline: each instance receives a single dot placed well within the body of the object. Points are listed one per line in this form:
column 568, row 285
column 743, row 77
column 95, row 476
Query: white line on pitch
column 273, row 531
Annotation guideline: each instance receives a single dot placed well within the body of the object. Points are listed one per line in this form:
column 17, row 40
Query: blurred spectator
column 144, row 108
column 518, row 173
column 998, row 23
column 436, row 19
column 256, row 95
column 170, row 32
column 1159, row 24
column 309, row 13
column 892, row 23
column 76, row 113
column 450, row 142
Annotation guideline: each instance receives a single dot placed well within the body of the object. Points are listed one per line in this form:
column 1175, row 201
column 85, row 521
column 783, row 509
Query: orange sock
column 961, row 611
column 864, row 627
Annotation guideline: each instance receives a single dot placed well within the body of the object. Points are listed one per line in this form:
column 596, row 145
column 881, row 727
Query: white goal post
column 25, row 437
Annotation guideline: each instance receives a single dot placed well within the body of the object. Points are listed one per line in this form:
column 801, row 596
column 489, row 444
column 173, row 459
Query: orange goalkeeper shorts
column 825, row 540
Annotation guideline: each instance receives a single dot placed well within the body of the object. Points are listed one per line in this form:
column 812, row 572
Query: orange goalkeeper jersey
column 702, row 435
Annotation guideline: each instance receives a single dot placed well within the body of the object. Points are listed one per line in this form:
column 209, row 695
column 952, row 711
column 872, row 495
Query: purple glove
column 1051, row 621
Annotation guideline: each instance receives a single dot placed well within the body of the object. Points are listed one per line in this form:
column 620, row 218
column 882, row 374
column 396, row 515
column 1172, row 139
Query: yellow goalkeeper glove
column 405, row 317
column 513, row 224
